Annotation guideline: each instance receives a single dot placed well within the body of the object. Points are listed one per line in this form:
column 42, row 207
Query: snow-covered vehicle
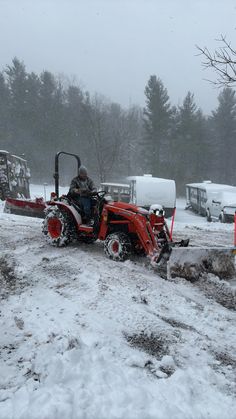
column 222, row 206
column 212, row 200
column 14, row 176
column 145, row 191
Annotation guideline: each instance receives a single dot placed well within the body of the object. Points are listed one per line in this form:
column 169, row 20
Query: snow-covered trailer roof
column 209, row 186
column 119, row 185
column 152, row 190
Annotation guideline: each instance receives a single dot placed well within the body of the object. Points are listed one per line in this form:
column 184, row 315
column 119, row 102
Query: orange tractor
column 124, row 228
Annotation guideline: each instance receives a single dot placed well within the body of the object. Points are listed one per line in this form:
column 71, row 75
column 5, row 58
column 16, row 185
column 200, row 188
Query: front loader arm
column 145, row 234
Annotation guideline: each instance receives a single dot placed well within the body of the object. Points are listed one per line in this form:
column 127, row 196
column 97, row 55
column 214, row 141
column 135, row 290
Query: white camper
column 148, row 190
column 144, row 191
column 213, row 200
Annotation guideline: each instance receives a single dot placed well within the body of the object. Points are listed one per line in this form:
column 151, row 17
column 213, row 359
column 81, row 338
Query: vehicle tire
column 208, row 215
column 222, row 218
column 58, row 227
column 117, row 246
column 2, row 197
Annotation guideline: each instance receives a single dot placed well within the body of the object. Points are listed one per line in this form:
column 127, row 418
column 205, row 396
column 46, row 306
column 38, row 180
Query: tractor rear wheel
column 58, row 227
column 117, row 246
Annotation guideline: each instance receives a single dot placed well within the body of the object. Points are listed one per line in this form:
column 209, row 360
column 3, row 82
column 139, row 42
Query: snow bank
column 86, row 337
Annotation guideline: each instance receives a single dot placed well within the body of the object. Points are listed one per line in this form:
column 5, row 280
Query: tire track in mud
column 221, row 291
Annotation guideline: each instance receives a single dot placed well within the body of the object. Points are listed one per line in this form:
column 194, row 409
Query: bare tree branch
column 223, row 62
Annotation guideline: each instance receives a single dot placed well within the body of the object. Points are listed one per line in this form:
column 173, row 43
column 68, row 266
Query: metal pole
column 45, row 194
column 235, row 229
column 172, row 223
column 56, row 174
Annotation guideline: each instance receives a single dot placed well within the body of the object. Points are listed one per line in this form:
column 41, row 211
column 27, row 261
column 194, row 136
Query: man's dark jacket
column 85, row 186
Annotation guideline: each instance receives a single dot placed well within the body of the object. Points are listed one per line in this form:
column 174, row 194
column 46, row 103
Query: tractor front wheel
column 58, row 227
column 117, row 246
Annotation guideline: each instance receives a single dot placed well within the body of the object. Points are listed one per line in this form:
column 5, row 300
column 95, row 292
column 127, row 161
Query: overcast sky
column 113, row 46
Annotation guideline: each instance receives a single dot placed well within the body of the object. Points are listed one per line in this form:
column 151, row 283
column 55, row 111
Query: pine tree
column 157, row 120
column 4, row 112
column 16, row 78
column 224, row 131
column 189, row 145
column 131, row 156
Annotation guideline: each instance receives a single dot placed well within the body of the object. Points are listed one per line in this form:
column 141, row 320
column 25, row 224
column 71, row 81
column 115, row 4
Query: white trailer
column 144, row 191
column 148, row 190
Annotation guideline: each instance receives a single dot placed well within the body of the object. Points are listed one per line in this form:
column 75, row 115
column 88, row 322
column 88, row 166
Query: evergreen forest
column 41, row 114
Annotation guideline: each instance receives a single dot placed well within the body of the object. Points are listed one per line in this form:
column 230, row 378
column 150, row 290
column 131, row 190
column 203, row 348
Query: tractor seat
column 76, row 205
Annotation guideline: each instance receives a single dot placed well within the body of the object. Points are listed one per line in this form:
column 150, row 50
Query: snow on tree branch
column 223, row 62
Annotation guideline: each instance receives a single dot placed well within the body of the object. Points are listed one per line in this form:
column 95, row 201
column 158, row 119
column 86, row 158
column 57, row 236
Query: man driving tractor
column 81, row 188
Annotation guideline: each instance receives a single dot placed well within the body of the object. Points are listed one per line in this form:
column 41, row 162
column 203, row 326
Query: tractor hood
column 129, row 207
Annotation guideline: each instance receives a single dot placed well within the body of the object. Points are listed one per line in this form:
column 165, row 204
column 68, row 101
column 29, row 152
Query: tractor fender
column 68, row 208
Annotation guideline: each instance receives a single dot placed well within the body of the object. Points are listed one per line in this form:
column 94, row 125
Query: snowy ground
column 83, row 337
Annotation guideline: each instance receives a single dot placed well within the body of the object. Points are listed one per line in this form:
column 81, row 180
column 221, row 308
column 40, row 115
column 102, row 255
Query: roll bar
column 56, row 174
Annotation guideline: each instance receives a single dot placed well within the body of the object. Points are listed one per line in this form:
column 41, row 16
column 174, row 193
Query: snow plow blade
column 191, row 262
column 27, row 208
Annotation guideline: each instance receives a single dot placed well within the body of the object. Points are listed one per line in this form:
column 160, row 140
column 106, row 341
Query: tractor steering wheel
column 101, row 194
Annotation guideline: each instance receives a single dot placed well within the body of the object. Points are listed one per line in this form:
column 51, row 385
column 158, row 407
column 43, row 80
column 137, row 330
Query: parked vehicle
column 212, row 200
column 14, row 176
column 144, row 191
column 222, row 206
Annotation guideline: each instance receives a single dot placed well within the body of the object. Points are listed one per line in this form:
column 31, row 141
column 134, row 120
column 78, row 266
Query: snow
column 212, row 187
column 83, row 337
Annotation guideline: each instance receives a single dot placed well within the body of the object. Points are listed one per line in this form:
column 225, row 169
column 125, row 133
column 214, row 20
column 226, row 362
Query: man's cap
column 83, row 170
